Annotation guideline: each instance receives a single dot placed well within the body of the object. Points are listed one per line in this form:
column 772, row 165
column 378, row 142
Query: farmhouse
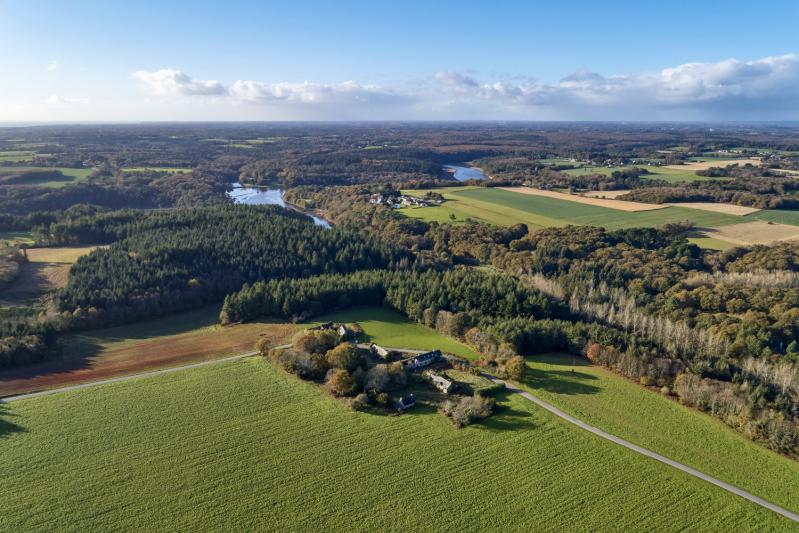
column 440, row 382
column 405, row 402
column 341, row 329
column 423, row 360
column 379, row 351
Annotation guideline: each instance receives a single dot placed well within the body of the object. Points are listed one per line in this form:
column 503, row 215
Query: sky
column 703, row 60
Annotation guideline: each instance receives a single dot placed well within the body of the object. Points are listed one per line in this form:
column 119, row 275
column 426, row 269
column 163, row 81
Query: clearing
column 620, row 205
column 171, row 170
column 243, row 446
column 606, row 400
column 71, row 175
column 47, row 269
column 170, row 341
column 389, row 328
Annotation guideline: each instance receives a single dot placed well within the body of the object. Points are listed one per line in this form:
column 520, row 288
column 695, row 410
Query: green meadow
column 628, row 410
column 16, row 156
column 783, row 216
column 71, row 175
column 241, row 446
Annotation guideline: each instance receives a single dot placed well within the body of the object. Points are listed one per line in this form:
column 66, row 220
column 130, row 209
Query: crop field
column 170, row 341
column 611, row 402
column 389, row 328
column 711, row 243
column 71, row 175
column 782, row 216
column 242, row 446
column 755, row 232
column 504, row 208
column 611, row 203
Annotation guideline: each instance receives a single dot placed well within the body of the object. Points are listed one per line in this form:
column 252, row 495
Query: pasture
column 755, row 232
column 243, row 446
column 628, row 410
column 781, row 216
column 71, row 175
column 16, row 156
column 164, row 342
column 389, row 328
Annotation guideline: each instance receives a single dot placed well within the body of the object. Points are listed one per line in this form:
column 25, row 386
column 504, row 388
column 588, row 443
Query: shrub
column 345, row 355
column 467, row 410
column 516, row 368
column 340, row 382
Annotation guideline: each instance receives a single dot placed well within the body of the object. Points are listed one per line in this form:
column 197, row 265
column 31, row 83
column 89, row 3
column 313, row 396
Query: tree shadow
column 7, row 427
column 506, row 418
column 561, row 381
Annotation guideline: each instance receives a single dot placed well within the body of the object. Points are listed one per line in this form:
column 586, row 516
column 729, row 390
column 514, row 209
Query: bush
column 345, row 355
column 467, row 410
column 361, row 402
column 516, row 368
column 340, row 382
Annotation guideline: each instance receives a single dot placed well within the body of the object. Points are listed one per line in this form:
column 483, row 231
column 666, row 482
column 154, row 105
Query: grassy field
column 504, row 208
column 242, row 446
column 169, row 341
column 155, row 169
column 711, row 243
column 612, row 403
column 71, row 175
column 17, row 237
column 389, row 328
column 783, row 216
column 671, row 175
column 16, row 156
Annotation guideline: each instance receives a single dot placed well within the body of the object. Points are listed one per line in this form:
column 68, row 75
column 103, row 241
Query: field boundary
column 646, row 452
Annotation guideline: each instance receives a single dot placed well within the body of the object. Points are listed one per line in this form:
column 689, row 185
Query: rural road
column 648, row 453
column 511, row 388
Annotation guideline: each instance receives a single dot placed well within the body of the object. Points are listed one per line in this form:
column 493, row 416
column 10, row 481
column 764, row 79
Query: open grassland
column 389, row 328
column 611, row 402
column 711, row 243
column 16, row 156
column 782, row 216
column 171, row 170
column 17, row 237
column 712, row 162
column 619, row 205
column 240, row 446
column 174, row 340
column 47, row 268
column 500, row 207
column 71, row 175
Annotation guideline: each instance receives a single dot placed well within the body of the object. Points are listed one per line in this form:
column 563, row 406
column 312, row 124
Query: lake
column 255, row 196
column 465, row 173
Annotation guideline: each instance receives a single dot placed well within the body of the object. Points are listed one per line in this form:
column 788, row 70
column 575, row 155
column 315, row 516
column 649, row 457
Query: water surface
column 465, row 173
column 256, row 196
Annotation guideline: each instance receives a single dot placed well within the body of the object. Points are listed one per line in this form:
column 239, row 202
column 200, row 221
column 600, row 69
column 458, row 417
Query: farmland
column 240, row 445
column 155, row 169
column 389, row 328
column 781, row 216
column 504, row 208
column 615, row 404
column 185, row 338
column 16, row 156
column 71, row 175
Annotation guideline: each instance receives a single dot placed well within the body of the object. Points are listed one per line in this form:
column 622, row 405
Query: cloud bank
column 731, row 89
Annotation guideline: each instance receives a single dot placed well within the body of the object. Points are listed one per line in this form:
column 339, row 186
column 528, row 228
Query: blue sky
column 233, row 60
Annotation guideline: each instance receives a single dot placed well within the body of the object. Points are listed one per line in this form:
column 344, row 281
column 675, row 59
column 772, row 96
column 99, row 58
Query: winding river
column 255, row 196
column 462, row 173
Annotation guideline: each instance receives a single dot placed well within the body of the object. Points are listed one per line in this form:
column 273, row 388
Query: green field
column 500, row 207
column 15, row 237
column 628, row 410
column 16, row 156
column 71, row 175
column 155, row 169
column 711, row 243
column 240, row 446
column 660, row 173
column 783, row 216
column 389, row 328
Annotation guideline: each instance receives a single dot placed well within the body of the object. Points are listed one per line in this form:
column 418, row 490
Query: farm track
column 648, row 453
column 530, row 397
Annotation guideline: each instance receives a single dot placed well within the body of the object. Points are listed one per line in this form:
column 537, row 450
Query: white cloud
column 55, row 99
column 347, row 92
column 53, row 65
column 171, row 82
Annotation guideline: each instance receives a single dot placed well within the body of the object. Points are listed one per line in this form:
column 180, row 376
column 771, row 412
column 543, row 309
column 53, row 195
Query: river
column 465, row 173
column 255, row 196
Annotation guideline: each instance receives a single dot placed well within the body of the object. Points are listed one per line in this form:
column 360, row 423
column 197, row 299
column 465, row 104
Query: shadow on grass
column 561, row 381
column 7, row 427
column 506, row 418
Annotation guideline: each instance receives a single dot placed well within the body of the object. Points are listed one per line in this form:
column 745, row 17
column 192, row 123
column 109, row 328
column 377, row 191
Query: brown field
column 727, row 209
column 605, row 194
column 621, row 205
column 47, row 269
column 171, row 341
column 759, row 232
column 704, row 165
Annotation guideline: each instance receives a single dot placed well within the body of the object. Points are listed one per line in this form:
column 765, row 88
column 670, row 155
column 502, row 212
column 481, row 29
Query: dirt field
column 606, row 194
column 611, row 204
column 130, row 349
column 729, row 209
column 704, row 165
column 47, row 269
column 758, row 232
